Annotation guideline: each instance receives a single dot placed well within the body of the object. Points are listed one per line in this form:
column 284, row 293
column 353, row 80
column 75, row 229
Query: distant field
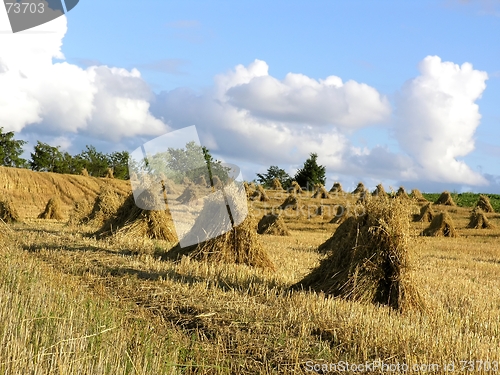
column 467, row 199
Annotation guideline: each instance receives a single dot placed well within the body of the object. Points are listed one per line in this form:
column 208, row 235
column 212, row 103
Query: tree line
column 47, row 158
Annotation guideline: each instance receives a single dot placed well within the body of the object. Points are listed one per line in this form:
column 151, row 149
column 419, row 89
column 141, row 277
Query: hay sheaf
column 292, row 201
column 402, row 193
column 105, row 206
column 336, row 188
column 259, row 194
column 445, row 199
column 134, row 222
column 296, row 189
column 341, row 215
column 321, row 192
column 217, row 183
column 478, row 220
column 248, row 189
column 359, row 189
column 426, row 214
column 441, row 225
column 85, row 172
column 237, row 244
column 416, row 194
column 276, row 185
column 202, row 181
column 81, row 210
column 8, row 212
column 379, row 191
column 110, row 173
column 189, row 195
column 272, row 224
column 52, row 210
column 484, row 204
column 370, row 259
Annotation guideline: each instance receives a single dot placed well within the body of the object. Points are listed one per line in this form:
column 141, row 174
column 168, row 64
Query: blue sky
column 185, row 53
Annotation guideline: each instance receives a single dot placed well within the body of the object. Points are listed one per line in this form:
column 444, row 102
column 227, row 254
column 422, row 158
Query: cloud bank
column 35, row 92
column 249, row 115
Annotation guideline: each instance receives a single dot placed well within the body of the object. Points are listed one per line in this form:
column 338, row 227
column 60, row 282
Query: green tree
column 11, row 150
column 96, row 162
column 273, row 172
column 46, row 158
column 215, row 167
column 311, row 173
column 119, row 162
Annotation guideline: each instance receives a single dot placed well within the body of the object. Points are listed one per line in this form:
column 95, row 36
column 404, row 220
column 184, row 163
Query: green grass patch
column 467, row 199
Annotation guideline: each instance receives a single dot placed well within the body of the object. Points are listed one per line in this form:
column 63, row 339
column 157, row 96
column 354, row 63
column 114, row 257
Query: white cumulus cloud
column 301, row 99
column 48, row 96
column 437, row 117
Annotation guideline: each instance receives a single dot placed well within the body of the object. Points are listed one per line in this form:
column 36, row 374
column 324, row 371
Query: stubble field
column 74, row 304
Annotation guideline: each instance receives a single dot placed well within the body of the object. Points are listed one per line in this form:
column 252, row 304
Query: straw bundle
column 446, row 199
column 8, row 212
column 359, row 189
column 478, row 220
column 134, row 222
column 272, row 224
column 52, row 210
column 370, row 259
column 227, row 243
column 336, row 188
column 484, row 204
column 321, row 192
column 441, row 225
column 277, row 184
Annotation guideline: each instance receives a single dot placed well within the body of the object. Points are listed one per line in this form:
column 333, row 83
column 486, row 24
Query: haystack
column 169, row 187
column 109, row 173
column 85, row 172
column 416, row 194
column 484, row 204
column 441, row 225
column 52, row 210
column 336, row 188
column 359, row 189
column 8, row 212
column 426, row 214
column 341, row 215
column 292, row 201
column 277, row 184
column 446, row 199
column 272, row 224
column 81, row 210
column 105, row 206
column 478, row 220
column 259, row 194
column 217, row 183
column 248, row 189
column 379, row 191
column 402, row 193
column 202, row 181
column 134, row 222
column 296, row 189
column 188, row 196
column 237, row 244
column 321, row 193
column 370, row 258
